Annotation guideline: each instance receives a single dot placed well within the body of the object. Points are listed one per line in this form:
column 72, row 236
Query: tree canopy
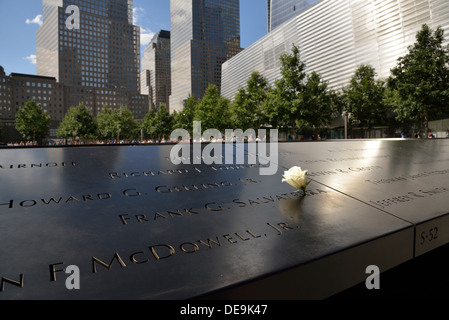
column 421, row 79
column 364, row 98
column 213, row 110
column 116, row 124
column 32, row 122
column 184, row 119
column 78, row 122
column 317, row 107
column 248, row 111
column 158, row 125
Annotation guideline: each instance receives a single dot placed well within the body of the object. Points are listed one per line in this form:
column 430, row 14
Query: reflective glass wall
column 336, row 36
column 204, row 34
column 103, row 53
column 156, row 70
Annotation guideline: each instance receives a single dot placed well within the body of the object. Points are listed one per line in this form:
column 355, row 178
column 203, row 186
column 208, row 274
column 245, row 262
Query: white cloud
column 31, row 58
column 137, row 14
column 37, row 20
column 146, row 35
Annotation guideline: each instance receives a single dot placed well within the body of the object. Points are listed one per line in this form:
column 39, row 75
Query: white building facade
column 337, row 36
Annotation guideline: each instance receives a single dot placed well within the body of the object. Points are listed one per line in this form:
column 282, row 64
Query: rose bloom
column 296, row 177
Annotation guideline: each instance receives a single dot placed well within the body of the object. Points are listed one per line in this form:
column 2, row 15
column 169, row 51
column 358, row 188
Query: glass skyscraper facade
column 99, row 62
column 280, row 11
column 336, row 36
column 156, row 70
column 204, row 34
column 103, row 53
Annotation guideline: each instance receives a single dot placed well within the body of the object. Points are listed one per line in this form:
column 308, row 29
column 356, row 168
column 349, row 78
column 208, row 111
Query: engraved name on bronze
column 181, row 171
column 421, row 175
column 166, row 215
column 409, row 196
column 37, row 165
column 155, row 253
column 129, row 193
column 343, row 171
column 55, row 200
column 149, row 173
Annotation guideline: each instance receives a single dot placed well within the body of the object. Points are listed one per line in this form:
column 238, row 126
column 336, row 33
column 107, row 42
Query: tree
column 364, row 98
column 163, row 123
column 116, row 124
column 158, row 125
column 148, row 124
column 184, row 119
column 421, row 79
column 240, row 115
column 107, row 129
column 32, row 122
column 276, row 108
column 317, row 110
column 213, row 111
column 338, row 102
column 78, row 122
column 247, row 110
column 285, row 101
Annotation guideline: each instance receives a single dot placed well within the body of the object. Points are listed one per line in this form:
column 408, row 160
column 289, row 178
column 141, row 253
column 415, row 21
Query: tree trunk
column 419, row 125
column 294, row 130
column 426, row 120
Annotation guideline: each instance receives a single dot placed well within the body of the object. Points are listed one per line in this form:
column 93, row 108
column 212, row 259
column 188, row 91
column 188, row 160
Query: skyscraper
column 204, row 34
column 280, row 11
column 156, row 75
column 97, row 58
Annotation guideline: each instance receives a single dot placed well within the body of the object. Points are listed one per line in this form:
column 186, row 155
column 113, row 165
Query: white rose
column 297, row 178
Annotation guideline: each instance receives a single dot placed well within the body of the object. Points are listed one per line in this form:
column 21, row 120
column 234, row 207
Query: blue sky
column 20, row 19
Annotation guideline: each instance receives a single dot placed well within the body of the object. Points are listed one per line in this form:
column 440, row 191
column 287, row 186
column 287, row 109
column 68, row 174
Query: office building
column 204, row 34
column 156, row 70
column 6, row 109
column 98, row 61
column 337, row 36
column 17, row 89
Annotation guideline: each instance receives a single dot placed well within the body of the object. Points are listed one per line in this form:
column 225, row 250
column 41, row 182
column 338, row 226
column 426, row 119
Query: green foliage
column 247, row 111
column 116, row 124
column 148, row 124
column 31, row 121
column 184, row 119
column 293, row 72
column 364, row 98
column 286, row 100
column 277, row 107
column 317, row 106
column 158, row 125
column 78, row 122
column 421, row 79
column 213, row 111
column 298, row 99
